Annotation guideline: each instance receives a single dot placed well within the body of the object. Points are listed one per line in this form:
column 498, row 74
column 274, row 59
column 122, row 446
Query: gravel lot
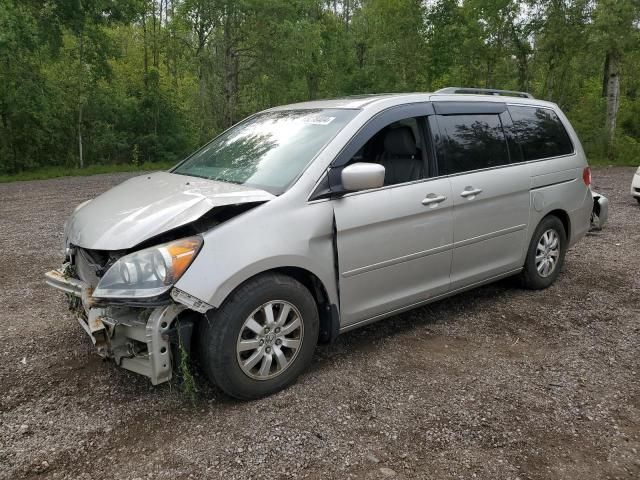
column 497, row 383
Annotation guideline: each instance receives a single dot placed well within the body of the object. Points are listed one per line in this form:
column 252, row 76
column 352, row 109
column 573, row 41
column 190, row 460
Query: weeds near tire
column 189, row 386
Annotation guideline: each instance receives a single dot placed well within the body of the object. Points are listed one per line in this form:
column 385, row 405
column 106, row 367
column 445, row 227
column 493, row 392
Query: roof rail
column 485, row 91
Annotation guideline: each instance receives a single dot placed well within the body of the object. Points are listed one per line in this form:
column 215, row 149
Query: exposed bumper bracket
column 57, row 279
column 189, row 301
column 114, row 330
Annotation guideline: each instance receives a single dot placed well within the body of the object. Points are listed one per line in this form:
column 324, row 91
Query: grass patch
column 45, row 173
column 54, row 172
column 189, row 386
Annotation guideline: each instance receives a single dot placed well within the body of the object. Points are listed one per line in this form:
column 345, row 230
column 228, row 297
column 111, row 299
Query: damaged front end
column 145, row 340
column 124, row 252
column 126, row 303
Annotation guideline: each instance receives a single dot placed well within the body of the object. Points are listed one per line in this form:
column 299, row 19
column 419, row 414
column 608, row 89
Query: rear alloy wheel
column 545, row 255
column 261, row 338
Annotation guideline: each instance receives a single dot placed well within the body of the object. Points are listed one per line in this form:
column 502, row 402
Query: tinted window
column 268, row 150
column 540, row 133
column 471, row 142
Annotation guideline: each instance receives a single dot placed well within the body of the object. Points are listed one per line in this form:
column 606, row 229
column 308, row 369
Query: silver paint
column 145, row 206
column 397, row 246
column 363, row 176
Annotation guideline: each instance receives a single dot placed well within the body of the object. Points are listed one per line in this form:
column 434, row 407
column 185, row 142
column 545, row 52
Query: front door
column 394, row 243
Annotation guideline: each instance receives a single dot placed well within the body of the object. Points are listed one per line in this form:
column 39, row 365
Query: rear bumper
column 135, row 338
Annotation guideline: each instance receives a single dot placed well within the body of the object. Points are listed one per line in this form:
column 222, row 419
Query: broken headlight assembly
column 150, row 272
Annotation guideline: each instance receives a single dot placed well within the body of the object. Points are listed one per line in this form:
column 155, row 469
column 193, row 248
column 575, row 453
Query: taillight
column 586, row 176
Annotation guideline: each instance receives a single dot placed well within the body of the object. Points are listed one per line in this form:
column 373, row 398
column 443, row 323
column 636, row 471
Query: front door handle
column 433, row 199
column 470, row 192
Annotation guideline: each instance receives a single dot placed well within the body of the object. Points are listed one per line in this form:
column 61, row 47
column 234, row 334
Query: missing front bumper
column 135, row 338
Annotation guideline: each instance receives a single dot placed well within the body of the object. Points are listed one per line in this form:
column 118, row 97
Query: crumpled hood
column 145, row 206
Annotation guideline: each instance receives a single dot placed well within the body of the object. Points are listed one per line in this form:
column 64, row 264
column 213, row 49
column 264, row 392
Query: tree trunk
column 361, row 49
column 202, row 99
column 611, row 91
column 156, row 28
column 202, row 33
column 230, row 72
column 347, row 13
column 172, row 57
column 80, row 136
column 522, row 59
column 550, row 74
column 80, row 106
column 146, row 53
column 489, row 79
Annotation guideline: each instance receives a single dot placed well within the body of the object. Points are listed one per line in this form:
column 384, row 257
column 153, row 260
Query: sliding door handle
column 433, row 199
column 470, row 192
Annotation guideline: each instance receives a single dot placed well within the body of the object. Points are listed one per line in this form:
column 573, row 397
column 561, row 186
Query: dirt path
column 497, row 383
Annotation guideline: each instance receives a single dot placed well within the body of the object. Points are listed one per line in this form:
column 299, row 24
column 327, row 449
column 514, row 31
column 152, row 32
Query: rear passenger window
column 471, row 142
column 540, row 133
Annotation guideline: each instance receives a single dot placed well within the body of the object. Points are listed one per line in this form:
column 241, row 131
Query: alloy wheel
column 269, row 340
column 547, row 253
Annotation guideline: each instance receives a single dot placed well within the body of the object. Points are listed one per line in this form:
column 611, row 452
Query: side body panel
column 556, row 184
column 489, row 228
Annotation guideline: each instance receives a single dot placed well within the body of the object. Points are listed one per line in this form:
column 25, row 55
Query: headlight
column 150, row 272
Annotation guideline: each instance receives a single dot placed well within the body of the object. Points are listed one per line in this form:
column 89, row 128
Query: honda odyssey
column 306, row 221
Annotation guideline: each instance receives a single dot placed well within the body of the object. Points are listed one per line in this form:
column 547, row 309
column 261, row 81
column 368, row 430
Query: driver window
column 399, row 148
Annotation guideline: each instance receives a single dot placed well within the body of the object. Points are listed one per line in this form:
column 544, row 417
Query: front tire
column 262, row 338
column 545, row 255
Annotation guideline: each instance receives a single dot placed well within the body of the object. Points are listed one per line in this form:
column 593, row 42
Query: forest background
column 101, row 85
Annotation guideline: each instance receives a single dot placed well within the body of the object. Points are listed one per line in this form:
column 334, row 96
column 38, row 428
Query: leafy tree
column 126, row 81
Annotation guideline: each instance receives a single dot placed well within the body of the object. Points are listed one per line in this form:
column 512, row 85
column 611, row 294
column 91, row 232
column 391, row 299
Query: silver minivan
column 308, row 220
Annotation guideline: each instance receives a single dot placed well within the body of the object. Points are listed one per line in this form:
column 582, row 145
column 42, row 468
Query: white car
column 635, row 185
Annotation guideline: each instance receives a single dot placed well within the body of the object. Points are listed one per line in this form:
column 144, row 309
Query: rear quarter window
column 539, row 132
column 471, row 142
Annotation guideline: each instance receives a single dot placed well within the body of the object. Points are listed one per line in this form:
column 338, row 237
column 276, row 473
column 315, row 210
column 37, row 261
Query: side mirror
column 362, row 176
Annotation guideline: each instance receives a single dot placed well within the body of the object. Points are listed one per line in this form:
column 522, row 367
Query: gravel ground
column 497, row 383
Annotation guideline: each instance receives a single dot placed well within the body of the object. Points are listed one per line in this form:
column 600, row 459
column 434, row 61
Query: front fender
column 274, row 235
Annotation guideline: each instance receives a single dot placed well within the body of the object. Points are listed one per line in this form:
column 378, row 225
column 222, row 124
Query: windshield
column 269, row 150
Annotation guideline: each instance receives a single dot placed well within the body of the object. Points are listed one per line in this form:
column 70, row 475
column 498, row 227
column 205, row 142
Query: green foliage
column 134, row 81
column 44, row 173
column 189, row 384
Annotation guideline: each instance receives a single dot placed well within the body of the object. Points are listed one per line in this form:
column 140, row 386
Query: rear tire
column 638, row 199
column 261, row 339
column 545, row 255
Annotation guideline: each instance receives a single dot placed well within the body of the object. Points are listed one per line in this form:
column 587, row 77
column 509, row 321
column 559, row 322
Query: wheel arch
column 563, row 216
column 327, row 310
